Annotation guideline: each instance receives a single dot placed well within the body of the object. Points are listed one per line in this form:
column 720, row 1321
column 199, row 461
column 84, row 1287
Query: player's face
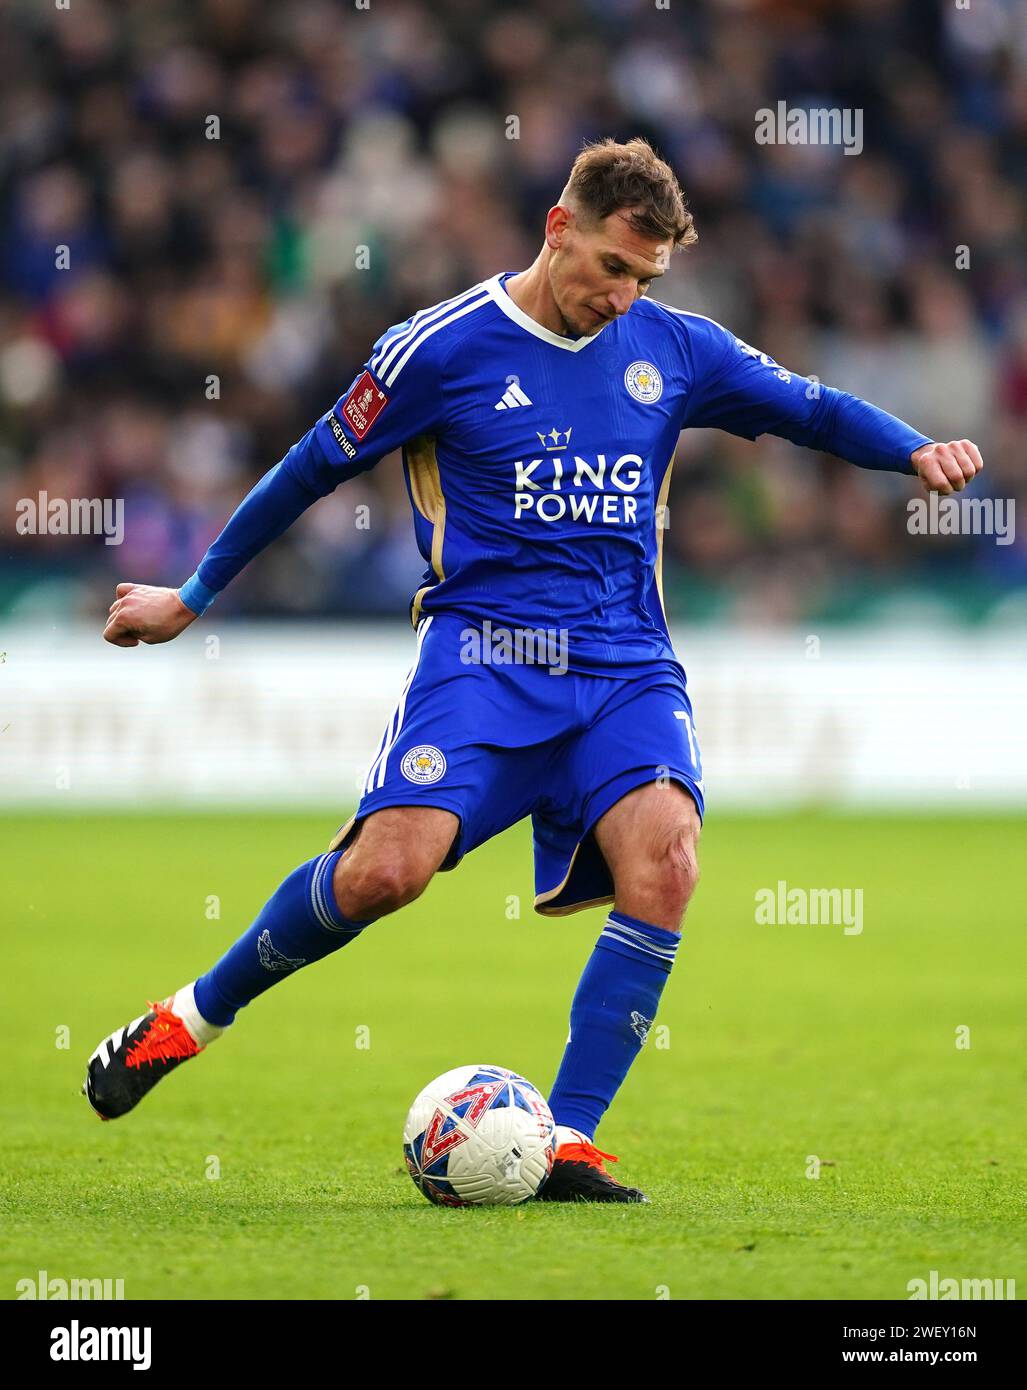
column 598, row 272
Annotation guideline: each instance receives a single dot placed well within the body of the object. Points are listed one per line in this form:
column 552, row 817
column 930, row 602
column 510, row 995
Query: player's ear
column 557, row 221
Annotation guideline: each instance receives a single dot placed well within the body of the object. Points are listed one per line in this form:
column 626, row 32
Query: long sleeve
column 270, row 507
column 390, row 401
column 741, row 390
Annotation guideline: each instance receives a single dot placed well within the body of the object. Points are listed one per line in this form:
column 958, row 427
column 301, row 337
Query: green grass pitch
column 782, row 1043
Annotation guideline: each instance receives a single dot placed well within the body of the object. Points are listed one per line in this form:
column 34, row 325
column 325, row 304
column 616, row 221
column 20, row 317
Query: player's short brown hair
column 607, row 177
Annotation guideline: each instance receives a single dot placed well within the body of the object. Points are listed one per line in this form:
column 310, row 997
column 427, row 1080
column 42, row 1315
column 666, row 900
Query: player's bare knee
column 683, row 858
column 673, row 877
column 373, row 887
column 671, row 895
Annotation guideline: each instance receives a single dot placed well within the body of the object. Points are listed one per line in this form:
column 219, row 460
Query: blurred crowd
column 211, row 168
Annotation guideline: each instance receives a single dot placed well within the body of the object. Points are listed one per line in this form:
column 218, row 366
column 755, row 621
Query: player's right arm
column 396, row 396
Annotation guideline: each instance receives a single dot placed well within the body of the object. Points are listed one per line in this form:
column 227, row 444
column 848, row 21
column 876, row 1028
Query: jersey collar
column 525, row 321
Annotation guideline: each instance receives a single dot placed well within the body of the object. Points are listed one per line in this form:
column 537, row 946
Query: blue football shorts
column 494, row 743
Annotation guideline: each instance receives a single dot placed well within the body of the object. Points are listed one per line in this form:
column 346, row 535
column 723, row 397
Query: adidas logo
column 110, row 1045
column 513, row 396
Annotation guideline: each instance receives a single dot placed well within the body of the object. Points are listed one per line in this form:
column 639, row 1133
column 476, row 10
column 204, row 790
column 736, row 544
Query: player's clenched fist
column 947, row 467
column 144, row 613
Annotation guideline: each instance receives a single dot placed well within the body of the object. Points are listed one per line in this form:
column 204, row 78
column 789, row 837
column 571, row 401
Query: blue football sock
column 300, row 923
column 613, row 1010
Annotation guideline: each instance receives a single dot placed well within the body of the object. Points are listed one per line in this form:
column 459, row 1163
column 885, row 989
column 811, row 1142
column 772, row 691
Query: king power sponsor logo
column 559, row 486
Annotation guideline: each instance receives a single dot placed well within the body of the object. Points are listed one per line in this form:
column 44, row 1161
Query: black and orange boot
column 133, row 1059
column 578, row 1174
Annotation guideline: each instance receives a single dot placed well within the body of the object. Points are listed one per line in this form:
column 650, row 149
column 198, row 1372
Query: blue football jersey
column 538, row 466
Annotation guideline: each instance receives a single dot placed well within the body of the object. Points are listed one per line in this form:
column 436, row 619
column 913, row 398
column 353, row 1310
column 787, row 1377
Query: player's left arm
column 737, row 388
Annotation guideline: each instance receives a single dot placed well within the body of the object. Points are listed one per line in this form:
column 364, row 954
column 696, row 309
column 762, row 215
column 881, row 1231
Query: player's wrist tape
column 196, row 595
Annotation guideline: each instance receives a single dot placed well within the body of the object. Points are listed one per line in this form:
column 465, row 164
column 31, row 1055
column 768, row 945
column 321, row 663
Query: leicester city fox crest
column 644, row 382
column 423, row 764
column 271, row 957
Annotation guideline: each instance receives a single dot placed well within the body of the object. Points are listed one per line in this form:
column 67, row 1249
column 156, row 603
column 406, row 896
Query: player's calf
column 301, row 922
column 298, row 925
column 649, row 842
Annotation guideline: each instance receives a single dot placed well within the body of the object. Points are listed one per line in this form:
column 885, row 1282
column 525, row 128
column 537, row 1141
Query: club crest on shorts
column 644, row 382
column 423, row 764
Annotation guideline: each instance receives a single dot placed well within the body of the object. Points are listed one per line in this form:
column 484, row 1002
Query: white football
column 479, row 1136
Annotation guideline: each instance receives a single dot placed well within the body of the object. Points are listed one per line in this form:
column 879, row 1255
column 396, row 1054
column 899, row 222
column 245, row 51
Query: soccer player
column 538, row 414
